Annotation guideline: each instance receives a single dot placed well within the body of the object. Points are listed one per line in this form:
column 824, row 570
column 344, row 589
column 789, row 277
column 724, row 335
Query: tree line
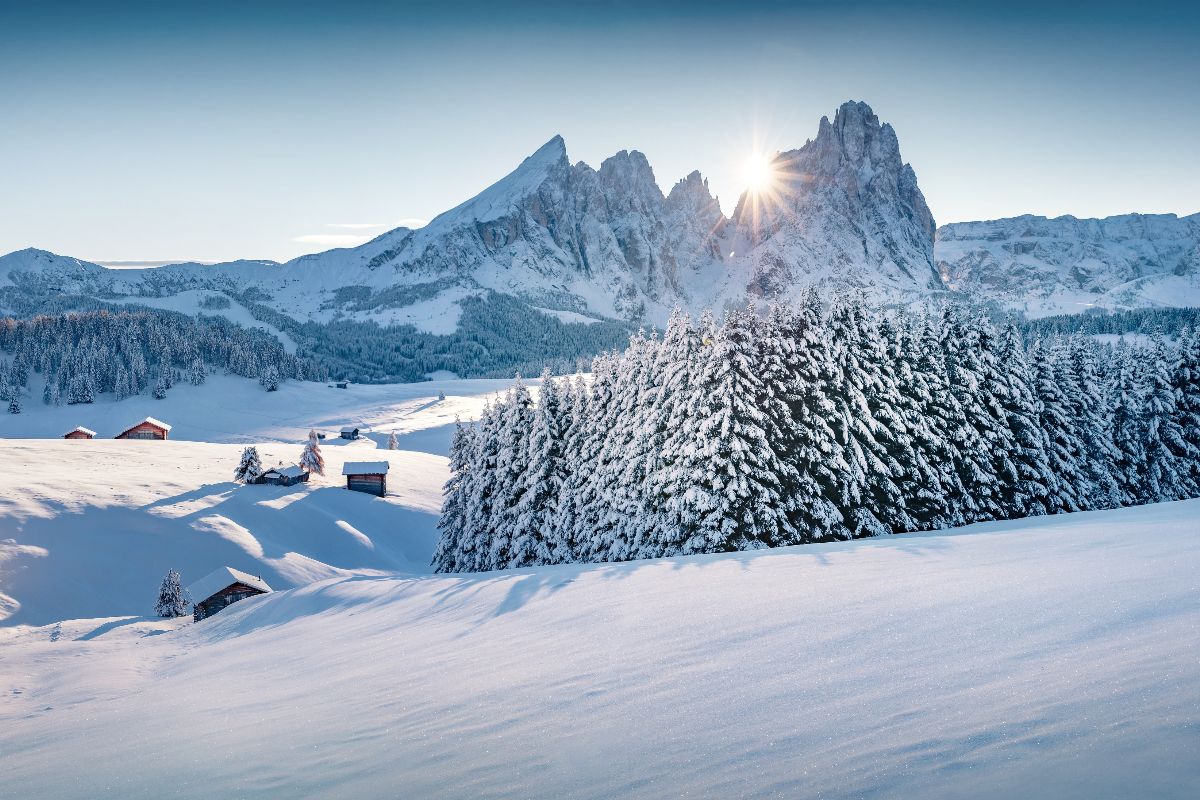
column 85, row 355
column 812, row 424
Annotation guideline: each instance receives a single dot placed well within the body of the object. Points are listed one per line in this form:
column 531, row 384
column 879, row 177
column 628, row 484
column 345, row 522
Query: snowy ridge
column 1065, row 264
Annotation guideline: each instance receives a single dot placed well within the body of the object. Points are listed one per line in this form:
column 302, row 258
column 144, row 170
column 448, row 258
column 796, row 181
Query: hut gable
column 79, row 432
column 366, row 476
column 149, row 428
column 221, row 588
column 284, row 476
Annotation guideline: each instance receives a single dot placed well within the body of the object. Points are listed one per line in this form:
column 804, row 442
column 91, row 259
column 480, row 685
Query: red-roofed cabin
column 149, row 428
column 79, row 432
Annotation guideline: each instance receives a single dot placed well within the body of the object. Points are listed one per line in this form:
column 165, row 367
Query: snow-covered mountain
column 1066, row 264
column 845, row 212
column 602, row 242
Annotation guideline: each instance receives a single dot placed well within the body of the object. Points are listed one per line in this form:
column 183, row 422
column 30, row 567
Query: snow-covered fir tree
column 392, row 442
column 311, row 459
column 172, row 600
column 250, row 467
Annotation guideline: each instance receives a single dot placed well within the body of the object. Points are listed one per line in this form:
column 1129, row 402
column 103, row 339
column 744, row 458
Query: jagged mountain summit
column 1066, row 265
column 845, row 212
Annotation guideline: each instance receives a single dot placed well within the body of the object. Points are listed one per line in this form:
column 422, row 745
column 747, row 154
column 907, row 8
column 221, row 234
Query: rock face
column 1065, row 264
column 846, row 211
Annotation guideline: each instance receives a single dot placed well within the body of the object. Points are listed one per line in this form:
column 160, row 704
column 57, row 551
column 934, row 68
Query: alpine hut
column 284, row 476
column 349, row 432
column 149, row 428
column 79, row 432
column 366, row 476
column 224, row 587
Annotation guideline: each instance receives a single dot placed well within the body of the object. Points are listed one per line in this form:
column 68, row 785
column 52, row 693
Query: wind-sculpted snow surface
column 1043, row 658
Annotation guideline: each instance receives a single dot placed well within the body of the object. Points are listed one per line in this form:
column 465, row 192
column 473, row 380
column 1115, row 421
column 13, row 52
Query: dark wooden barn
column 149, row 428
column 349, row 433
column 79, row 432
column 222, row 588
column 366, row 476
column 283, row 476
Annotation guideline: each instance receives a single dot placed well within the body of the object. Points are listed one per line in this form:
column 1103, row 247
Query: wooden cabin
column 283, row 476
column 349, row 433
column 149, row 428
column 223, row 588
column 79, row 432
column 342, row 385
column 366, row 476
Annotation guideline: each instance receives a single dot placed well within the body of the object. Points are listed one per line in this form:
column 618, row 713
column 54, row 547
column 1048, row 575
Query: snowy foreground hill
column 1047, row 658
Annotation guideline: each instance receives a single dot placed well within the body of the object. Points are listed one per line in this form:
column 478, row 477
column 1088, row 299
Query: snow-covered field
column 1053, row 658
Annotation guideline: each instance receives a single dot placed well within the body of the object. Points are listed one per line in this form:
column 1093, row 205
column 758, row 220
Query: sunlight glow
column 759, row 172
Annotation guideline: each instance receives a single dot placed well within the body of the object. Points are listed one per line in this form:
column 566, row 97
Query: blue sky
column 146, row 131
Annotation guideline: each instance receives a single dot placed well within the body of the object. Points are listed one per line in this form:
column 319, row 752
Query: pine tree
column 1162, row 437
column 14, row 405
column 456, row 501
column 196, row 373
column 1034, row 484
column 1185, row 381
column 172, row 601
column 270, row 379
column 1126, row 414
column 311, row 459
column 1061, row 443
column 392, row 442
column 161, row 386
column 1089, row 409
column 512, row 462
column 535, row 513
column 250, row 467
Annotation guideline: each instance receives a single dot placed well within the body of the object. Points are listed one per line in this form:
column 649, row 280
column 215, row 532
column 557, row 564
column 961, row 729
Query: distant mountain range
column 584, row 244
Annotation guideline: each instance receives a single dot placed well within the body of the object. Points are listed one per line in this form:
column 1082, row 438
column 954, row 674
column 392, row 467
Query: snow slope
column 1046, row 658
column 87, row 526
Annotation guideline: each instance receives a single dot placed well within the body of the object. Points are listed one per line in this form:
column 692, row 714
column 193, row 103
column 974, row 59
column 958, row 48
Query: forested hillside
column 813, row 425
column 82, row 356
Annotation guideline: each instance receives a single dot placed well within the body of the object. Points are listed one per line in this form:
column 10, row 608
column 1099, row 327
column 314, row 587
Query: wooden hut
column 283, row 476
column 342, row 385
column 366, row 476
column 79, row 432
column 222, row 588
column 349, row 433
column 149, row 428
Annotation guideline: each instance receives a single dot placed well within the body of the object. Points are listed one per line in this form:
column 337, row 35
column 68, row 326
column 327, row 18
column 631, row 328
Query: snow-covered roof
column 81, row 429
column 158, row 423
column 292, row 471
column 365, row 468
column 209, row 585
column 349, row 430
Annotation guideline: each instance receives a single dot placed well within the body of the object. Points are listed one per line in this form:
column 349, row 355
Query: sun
column 758, row 171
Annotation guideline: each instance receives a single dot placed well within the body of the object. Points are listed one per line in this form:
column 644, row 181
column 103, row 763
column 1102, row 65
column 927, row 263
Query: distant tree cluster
column 1166, row 321
column 83, row 356
column 497, row 336
column 811, row 425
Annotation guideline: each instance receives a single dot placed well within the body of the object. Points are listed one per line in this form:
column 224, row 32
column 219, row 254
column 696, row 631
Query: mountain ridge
column 845, row 213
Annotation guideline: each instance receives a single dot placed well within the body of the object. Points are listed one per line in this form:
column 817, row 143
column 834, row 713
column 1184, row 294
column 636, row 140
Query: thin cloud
column 356, row 225
column 412, row 222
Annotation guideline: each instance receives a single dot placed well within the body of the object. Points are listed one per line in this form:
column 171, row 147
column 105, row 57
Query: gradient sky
column 150, row 131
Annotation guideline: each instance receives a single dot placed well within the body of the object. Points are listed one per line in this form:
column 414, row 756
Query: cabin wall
column 144, row 430
column 371, row 484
